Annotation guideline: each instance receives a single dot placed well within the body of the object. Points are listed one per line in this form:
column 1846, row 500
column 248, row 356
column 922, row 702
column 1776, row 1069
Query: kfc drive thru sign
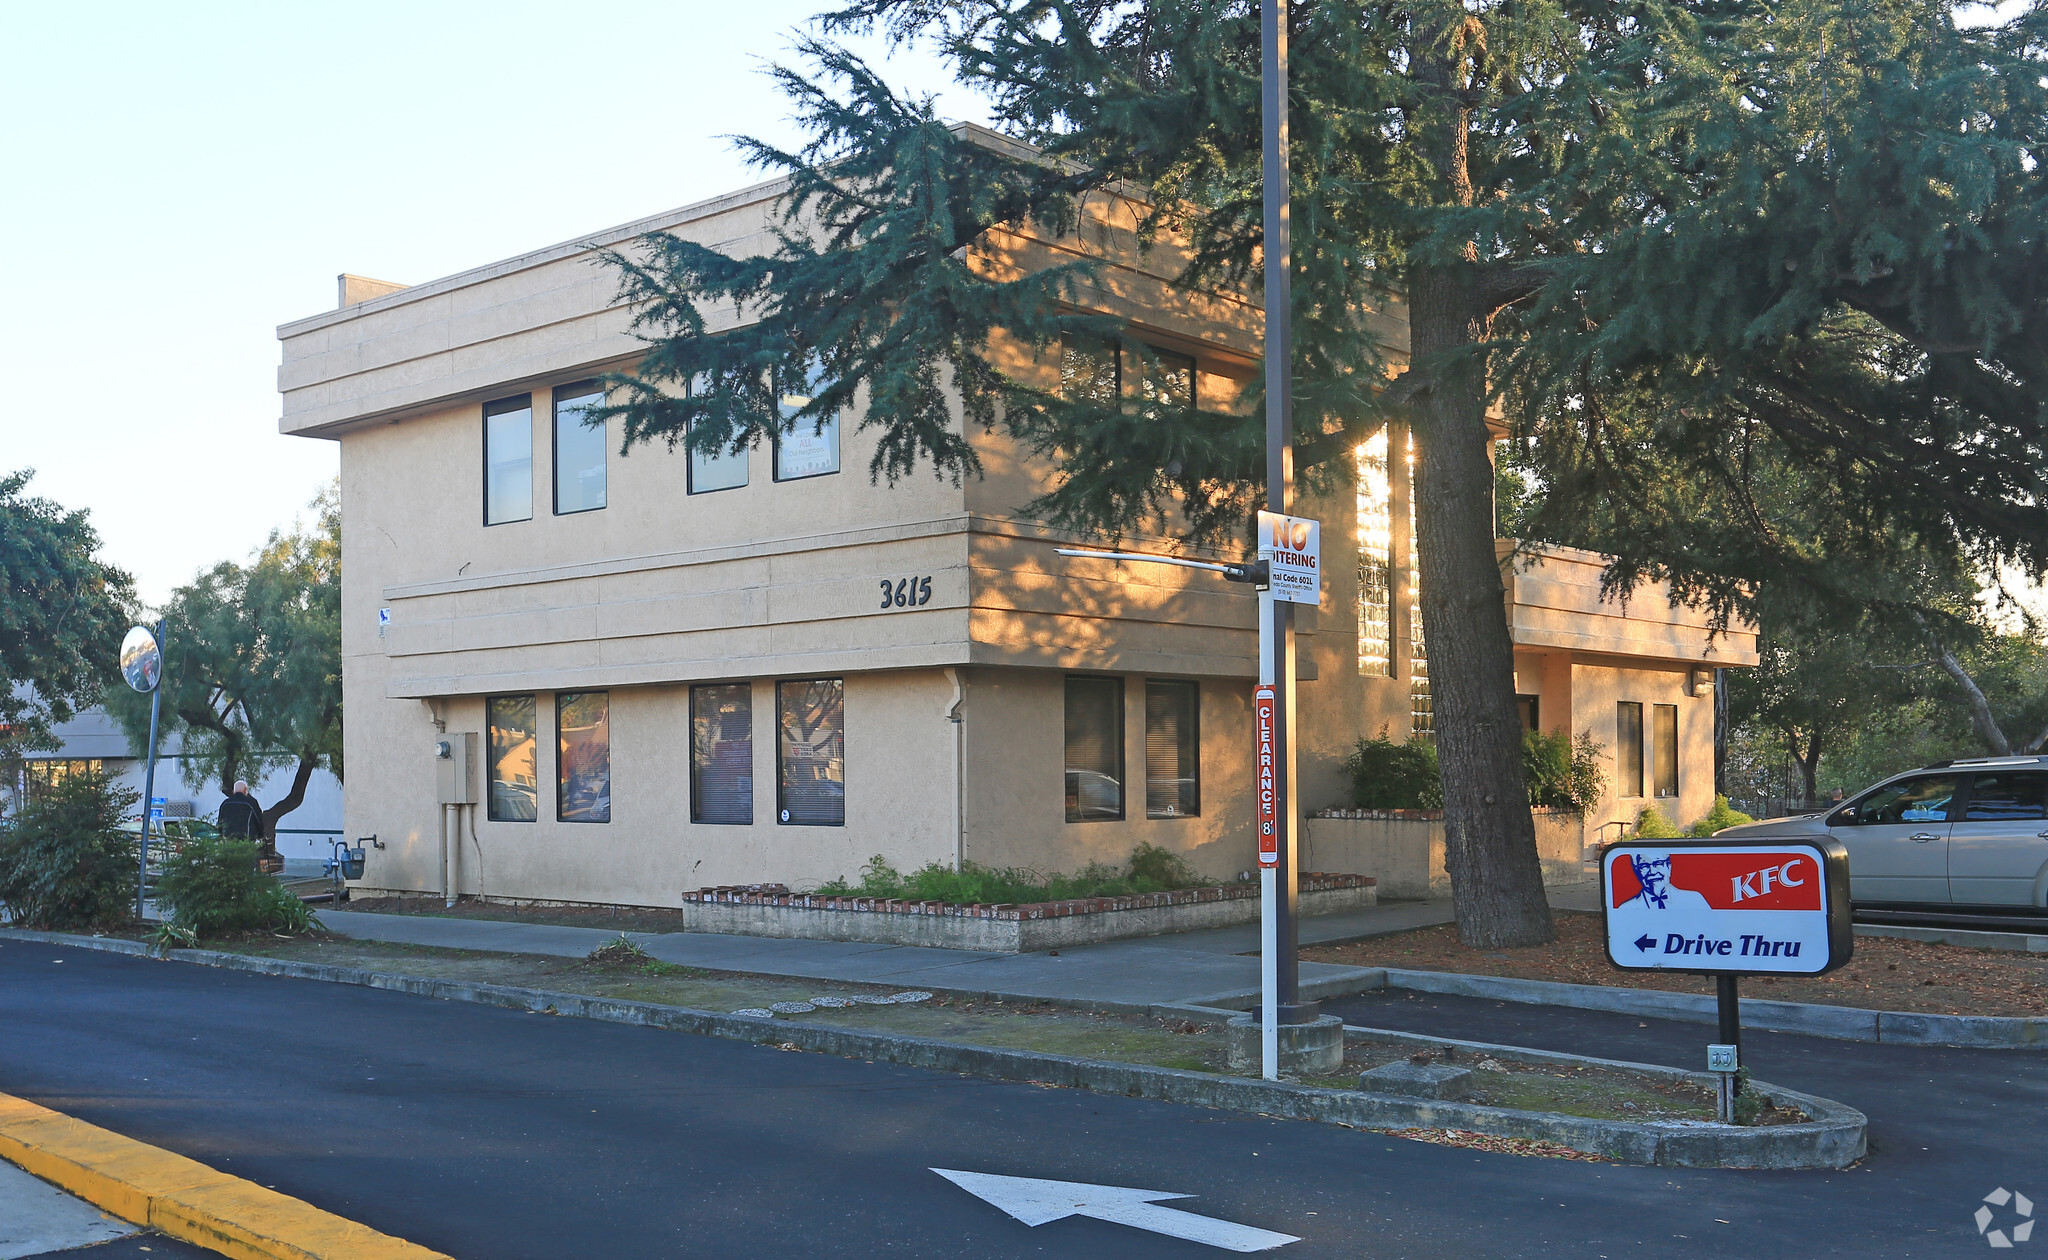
column 1268, row 763
column 1762, row 908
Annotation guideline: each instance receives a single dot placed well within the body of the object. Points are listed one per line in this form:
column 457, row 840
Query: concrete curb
column 1833, row 1139
column 1841, row 1023
column 2014, row 941
column 182, row 1197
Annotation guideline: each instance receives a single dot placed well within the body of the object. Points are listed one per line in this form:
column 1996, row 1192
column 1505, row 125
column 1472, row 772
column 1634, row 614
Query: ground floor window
column 810, row 717
column 1095, row 749
column 1628, row 748
column 513, row 731
column 583, row 762
column 722, row 753
column 47, row 772
column 1173, row 749
column 1666, row 719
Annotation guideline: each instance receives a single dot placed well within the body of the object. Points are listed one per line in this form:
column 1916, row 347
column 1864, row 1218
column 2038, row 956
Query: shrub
column 1387, row 775
column 1722, row 815
column 213, row 886
column 64, row 861
column 1563, row 773
column 1651, row 824
column 1149, row 869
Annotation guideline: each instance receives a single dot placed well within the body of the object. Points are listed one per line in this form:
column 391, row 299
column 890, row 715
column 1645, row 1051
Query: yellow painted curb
column 183, row 1197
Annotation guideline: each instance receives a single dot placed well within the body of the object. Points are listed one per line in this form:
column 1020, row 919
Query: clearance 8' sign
column 1761, row 908
column 1268, row 789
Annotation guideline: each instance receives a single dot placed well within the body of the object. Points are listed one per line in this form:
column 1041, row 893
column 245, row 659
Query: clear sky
column 184, row 178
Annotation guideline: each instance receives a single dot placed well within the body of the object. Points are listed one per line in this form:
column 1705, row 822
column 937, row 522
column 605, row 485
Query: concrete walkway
column 1151, row 970
column 36, row 1217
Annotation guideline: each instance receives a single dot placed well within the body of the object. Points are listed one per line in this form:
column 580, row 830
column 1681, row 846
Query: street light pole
column 156, row 706
column 1284, row 968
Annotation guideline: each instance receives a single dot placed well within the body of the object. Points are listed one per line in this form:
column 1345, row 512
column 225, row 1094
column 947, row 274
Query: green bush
column 1722, row 815
column 1651, row 824
column 1387, row 775
column 1562, row 773
column 1150, row 869
column 64, row 862
column 212, row 886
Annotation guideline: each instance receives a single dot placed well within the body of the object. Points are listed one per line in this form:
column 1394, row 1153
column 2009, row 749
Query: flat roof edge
column 582, row 243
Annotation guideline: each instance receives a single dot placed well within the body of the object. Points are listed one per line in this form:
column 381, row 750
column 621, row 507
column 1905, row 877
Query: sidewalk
column 1146, row 971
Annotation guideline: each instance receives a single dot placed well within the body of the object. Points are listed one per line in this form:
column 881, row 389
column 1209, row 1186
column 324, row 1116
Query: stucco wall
column 899, row 801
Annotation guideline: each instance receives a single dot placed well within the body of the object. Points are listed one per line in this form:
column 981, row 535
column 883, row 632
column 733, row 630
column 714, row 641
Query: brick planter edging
column 772, row 910
column 1833, row 1139
column 780, row 895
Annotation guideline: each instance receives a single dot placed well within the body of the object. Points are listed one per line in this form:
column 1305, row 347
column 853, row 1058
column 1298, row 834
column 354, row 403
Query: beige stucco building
column 684, row 672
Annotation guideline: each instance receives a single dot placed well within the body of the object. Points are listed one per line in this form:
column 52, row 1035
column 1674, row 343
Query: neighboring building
column 94, row 741
column 685, row 671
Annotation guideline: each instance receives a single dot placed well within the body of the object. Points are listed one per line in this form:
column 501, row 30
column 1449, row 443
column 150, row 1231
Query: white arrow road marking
column 1034, row 1202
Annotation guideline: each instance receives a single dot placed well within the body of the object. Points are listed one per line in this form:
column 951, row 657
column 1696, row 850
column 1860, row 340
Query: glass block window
column 1421, row 705
column 1375, row 560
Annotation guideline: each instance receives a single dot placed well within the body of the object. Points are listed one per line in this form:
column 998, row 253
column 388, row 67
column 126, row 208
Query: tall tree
column 252, row 667
column 62, row 613
column 1821, row 261
column 1489, row 168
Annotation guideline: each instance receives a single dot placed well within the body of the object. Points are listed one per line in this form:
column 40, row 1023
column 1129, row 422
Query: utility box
column 455, row 769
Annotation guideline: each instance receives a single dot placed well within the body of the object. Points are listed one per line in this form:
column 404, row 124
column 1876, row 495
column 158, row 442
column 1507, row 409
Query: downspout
column 448, row 843
column 956, row 676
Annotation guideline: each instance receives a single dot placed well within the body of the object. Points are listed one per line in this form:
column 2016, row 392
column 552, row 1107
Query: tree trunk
column 1489, row 835
column 293, row 799
column 1989, row 733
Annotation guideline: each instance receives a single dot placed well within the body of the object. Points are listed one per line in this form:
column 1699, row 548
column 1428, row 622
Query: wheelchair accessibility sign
column 1765, row 908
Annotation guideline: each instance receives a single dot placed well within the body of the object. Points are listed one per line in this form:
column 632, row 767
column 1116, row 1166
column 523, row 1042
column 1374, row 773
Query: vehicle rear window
column 2008, row 796
column 1909, row 801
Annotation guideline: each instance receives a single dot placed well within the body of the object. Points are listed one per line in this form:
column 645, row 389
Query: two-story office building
column 683, row 671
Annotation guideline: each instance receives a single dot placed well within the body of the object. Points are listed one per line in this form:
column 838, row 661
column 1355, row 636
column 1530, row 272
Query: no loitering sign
column 1268, row 790
column 1292, row 547
column 1767, row 907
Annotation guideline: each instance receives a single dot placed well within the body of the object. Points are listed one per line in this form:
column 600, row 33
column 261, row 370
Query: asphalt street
column 497, row 1135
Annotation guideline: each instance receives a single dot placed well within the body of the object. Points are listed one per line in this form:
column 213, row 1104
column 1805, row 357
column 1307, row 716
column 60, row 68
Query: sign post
column 142, row 665
column 1727, row 909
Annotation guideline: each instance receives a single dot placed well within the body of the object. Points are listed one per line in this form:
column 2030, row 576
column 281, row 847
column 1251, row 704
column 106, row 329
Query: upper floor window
column 811, row 449
column 508, row 460
column 1166, row 380
column 1091, row 370
column 722, row 469
column 579, row 449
